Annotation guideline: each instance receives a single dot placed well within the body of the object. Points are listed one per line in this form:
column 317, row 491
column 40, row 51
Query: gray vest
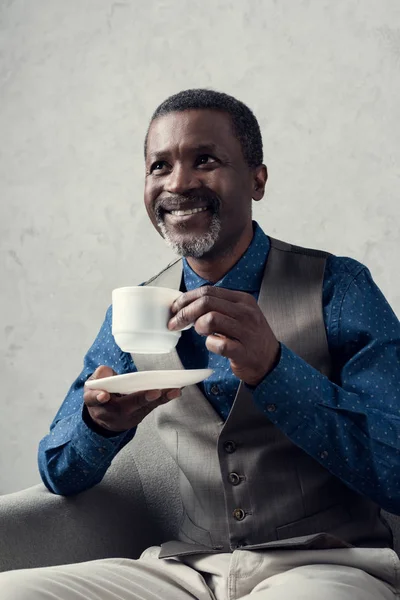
column 243, row 482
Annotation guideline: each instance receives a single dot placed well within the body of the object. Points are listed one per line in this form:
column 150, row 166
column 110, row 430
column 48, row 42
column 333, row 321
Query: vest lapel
column 291, row 300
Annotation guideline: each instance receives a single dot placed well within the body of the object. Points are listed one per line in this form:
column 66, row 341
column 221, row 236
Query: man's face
column 198, row 187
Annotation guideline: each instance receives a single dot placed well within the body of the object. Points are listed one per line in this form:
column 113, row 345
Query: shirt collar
column 246, row 275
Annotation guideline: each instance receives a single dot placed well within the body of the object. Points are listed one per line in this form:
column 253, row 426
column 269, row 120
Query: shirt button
column 324, row 454
column 239, row 514
column 215, row 390
column 230, row 447
column 271, row 407
column 234, row 478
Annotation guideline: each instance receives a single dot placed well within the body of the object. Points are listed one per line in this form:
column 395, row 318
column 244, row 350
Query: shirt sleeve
column 350, row 425
column 73, row 457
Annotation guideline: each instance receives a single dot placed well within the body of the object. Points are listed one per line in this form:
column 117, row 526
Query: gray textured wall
column 78, row 82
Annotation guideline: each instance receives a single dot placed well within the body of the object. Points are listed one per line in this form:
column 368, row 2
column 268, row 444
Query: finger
column 172, row 394
column 95, row 397
column 165, row 399
column 101, row 372
column 224, row 346
column 152, row 395
column 208, row 290
column 92, row 397
column 206, row 304
column 165, row 395
column 214, row 322
column 98, row 396
column 128, row 411
column 136, row 400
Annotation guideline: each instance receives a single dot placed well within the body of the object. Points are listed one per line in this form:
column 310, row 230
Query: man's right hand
column 119, row 413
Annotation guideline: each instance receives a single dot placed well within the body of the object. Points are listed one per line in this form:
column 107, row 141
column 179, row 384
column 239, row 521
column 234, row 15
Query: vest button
column 271, row 407
column 230, row 447
column 215, row 390
column 234, row 478
column 239, row 514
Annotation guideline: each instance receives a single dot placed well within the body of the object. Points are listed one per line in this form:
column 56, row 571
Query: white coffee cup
column 140, row 315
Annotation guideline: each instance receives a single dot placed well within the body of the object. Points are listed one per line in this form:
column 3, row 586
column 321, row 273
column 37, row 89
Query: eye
column 206, row 159
column 159, row 165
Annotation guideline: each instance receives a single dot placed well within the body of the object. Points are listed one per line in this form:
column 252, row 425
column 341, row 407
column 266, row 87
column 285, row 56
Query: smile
column 189, row 211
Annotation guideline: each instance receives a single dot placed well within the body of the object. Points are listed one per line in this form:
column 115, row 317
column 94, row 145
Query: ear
column 260, row 177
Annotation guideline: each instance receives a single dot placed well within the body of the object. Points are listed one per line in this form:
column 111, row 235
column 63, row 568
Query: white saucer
column 148, row 380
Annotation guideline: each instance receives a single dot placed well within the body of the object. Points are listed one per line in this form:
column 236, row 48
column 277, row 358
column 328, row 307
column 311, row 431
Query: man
column 281, row 499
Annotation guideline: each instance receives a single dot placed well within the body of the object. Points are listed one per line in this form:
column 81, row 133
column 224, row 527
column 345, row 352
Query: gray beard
column 196, row 247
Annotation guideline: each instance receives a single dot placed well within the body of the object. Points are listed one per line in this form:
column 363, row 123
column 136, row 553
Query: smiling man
column 289, row 450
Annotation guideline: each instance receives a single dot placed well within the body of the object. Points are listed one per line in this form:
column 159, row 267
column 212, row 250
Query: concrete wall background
column 78, row 83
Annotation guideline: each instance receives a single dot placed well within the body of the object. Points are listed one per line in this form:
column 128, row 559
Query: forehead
column 180, row 131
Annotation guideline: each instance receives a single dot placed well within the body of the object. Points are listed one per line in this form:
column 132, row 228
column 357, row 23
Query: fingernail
column 152, row 395
column 171, row 395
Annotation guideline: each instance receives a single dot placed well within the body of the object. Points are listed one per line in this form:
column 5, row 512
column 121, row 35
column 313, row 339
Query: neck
column 213, row 267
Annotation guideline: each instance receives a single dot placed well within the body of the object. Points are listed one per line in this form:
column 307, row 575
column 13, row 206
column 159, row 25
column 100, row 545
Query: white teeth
column 190, row 211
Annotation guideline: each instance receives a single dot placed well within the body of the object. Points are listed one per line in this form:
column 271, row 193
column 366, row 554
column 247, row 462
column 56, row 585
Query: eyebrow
column 200, row 148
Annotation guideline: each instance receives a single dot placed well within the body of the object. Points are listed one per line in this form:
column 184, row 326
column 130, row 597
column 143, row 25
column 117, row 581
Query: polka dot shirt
column 350, row 424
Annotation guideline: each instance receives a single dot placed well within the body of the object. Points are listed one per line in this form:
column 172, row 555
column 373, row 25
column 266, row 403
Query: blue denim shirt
column 351, row 424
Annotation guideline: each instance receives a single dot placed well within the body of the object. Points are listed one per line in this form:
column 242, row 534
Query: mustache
column 176, row 201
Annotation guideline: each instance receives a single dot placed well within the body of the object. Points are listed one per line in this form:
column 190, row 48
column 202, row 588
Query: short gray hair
column 245, row 124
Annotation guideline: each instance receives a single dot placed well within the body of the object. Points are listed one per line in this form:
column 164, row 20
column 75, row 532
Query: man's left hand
column 235, row 328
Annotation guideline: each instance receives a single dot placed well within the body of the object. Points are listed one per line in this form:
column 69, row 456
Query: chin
column 194, row 245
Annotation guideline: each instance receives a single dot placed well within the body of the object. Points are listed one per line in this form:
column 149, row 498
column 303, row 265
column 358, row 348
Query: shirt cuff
column 94, row 448
column 284, row 393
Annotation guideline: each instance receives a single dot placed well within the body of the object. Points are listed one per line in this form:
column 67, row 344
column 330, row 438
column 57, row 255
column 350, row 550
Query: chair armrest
column 38, row 528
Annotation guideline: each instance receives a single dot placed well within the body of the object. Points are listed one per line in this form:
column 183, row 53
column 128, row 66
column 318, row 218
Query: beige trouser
column 346, row 574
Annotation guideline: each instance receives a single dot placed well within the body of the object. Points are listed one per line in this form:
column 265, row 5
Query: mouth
column 182, row 215
column 183, row 211
column 187, row 216
column 187, row 212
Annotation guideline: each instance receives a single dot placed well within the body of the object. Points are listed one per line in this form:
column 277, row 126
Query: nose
column 181, row 179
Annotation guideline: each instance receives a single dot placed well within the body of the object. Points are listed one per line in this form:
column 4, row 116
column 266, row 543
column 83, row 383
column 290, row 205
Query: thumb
column 102, row 371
